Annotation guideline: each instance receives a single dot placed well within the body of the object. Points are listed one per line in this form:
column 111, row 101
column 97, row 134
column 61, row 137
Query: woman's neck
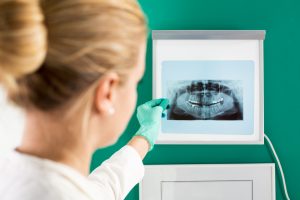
column 54, row 140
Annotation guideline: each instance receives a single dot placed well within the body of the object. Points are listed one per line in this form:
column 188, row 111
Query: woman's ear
column 106, row 93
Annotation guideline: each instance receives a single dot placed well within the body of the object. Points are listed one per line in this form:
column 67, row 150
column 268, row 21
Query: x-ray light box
column 214, row 81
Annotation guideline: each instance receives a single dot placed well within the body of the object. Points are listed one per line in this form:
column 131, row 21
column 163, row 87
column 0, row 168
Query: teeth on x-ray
column 206, row 100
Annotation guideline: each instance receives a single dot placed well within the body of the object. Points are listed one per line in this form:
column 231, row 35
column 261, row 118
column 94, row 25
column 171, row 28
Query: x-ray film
column 205, row 100
column 209, row 97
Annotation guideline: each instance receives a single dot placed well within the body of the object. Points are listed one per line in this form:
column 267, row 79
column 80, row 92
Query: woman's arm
column 140, row 144
column 116, row 176
column 123, row 170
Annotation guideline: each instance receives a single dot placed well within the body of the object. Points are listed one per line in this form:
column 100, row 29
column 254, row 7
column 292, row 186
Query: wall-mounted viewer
column 214, row 80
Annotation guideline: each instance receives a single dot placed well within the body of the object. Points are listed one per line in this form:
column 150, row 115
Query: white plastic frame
column 212, row 45
column 261, row 178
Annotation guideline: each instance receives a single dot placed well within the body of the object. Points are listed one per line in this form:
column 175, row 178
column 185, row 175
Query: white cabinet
column 209, row 182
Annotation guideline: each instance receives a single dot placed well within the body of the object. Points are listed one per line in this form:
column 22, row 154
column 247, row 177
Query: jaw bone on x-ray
column 205, row 100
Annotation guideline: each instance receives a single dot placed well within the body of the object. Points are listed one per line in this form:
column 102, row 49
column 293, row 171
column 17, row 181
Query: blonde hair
column 53, row 50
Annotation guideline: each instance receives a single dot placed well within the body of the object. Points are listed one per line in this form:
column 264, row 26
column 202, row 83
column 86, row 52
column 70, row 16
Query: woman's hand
column 149, row 116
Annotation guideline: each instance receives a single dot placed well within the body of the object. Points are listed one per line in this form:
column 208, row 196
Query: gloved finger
column 154, row 102
column 157, row 109
column 164, row 104
column 160, row 111
column 151, row 103
column 168, row 106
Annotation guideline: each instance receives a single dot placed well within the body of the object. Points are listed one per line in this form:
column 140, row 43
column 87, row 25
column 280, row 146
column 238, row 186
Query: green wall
column 281, row 20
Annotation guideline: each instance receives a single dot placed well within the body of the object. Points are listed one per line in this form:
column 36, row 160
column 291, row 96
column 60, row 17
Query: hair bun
column 22, row 38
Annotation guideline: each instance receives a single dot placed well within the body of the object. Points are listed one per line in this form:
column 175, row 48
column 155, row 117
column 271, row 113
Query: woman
column 73, row 66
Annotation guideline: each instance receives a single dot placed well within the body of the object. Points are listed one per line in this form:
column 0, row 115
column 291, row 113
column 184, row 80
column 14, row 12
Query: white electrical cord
column 279, row 166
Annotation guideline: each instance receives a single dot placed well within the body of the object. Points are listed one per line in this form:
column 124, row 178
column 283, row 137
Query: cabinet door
column 209, row 182
column 207, row 190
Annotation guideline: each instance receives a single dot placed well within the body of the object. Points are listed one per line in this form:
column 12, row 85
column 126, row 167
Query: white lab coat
column 25, row 177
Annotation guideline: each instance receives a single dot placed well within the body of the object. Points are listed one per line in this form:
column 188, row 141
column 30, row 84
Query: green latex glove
column 149, row 116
